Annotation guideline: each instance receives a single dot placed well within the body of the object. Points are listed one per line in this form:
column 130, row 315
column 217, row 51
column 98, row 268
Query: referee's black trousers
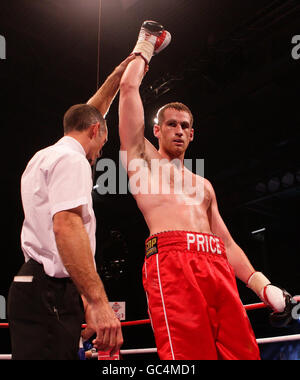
column 45, row 316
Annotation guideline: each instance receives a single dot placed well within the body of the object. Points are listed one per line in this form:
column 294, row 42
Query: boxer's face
column 175, row 133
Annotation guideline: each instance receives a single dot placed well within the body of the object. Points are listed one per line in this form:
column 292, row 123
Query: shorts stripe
column 164, row 307
column 148, row 298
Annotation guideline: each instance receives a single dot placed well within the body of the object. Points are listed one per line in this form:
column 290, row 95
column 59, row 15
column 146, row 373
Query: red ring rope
column 250, row 307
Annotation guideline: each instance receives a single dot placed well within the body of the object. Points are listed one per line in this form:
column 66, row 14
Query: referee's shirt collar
column 72, row 143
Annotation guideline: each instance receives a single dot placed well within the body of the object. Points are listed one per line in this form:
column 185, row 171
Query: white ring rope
column 287, row 338
column 278, row 339
column 5, row 357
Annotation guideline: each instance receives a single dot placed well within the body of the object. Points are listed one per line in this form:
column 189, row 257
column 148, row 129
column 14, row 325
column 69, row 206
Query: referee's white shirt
column 57, row 178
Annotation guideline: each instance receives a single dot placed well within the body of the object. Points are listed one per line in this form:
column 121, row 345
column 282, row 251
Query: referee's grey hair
column 81, row 116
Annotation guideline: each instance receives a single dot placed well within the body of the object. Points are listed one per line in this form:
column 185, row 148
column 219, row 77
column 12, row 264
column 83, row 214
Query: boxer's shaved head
column 178, row 107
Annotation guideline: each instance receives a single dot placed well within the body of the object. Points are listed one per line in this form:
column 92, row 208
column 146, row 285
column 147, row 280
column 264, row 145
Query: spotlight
column 259, row 235
column 258, row 231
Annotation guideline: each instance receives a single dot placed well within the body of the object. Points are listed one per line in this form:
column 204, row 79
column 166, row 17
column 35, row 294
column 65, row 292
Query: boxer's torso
column 172, row 198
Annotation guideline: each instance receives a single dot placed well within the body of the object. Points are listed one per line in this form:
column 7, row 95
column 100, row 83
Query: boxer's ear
column 192, row 135
column 156, row 131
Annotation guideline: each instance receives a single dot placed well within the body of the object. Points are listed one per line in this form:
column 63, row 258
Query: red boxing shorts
column 193, row 300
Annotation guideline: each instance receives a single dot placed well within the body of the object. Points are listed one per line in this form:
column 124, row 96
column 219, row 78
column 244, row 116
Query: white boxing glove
column 271, row 295
column 153, row 38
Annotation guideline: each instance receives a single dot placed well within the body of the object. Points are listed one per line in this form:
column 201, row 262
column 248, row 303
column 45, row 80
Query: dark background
column 230, row 61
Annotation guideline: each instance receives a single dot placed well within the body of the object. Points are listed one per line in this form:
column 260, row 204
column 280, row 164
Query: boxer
column 189, row 271
column 191, row 259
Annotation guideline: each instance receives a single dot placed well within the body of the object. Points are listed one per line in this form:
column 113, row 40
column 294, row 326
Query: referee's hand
column 102, row 321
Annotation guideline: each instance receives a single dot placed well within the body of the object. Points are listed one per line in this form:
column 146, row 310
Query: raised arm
column 131, row 110
column 104, row 97
column 152, row 39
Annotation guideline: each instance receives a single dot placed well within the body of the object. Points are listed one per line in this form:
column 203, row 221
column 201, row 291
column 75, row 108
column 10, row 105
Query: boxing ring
column 93, row 354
